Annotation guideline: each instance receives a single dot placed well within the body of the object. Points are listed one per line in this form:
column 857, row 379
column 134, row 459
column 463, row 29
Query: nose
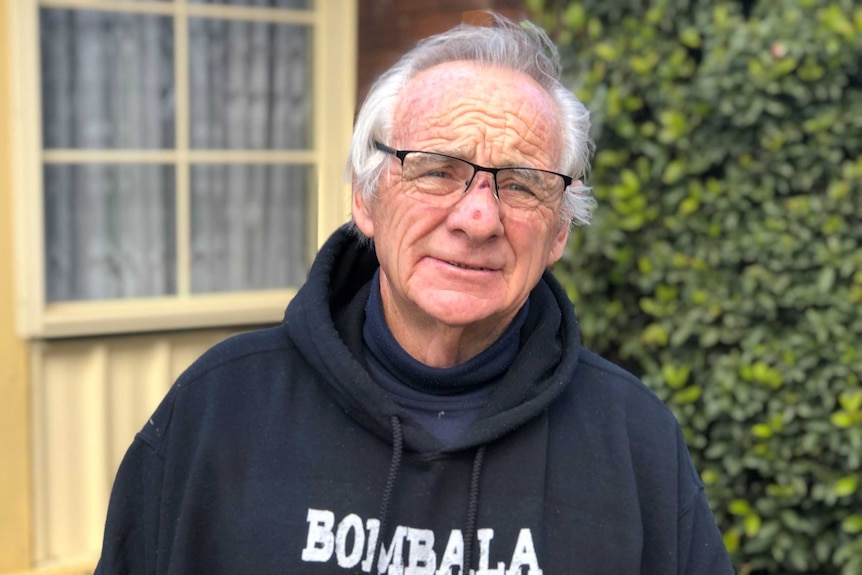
column 477, row 212
column 485, row 177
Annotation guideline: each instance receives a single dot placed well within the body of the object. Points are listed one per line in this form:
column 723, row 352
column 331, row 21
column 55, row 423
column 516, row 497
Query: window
column 178, row 162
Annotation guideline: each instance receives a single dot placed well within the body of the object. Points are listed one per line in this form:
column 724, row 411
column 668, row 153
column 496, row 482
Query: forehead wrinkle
column 530, row 144
column 533, row 135
column 513, row 125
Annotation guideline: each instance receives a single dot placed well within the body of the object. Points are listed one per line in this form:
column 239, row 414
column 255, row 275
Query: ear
column 558, row 244
column 362, row 213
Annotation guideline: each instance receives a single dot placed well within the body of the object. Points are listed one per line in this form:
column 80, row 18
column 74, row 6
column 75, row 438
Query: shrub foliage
column 724, row 265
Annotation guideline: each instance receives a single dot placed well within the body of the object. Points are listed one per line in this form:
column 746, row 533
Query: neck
column 437, row 344
column 441, row 345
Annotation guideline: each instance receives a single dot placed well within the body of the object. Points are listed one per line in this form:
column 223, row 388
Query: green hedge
column 724, row 265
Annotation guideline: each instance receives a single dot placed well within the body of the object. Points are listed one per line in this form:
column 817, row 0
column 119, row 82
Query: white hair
column 523, row 48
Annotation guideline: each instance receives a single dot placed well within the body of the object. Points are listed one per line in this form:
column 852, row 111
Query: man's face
column 472, row 265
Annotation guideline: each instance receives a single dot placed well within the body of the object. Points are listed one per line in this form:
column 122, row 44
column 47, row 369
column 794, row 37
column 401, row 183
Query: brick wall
column 388, row 28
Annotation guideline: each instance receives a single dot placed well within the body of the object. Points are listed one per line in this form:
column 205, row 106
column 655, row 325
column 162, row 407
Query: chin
column 460, row 310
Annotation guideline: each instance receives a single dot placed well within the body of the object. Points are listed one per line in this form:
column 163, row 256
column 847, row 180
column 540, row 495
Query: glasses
column 441, row 180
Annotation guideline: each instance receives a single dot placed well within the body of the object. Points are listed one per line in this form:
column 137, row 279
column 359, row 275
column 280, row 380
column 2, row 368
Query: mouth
column 466, row 267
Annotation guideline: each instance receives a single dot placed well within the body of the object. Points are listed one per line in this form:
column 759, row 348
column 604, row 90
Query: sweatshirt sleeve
column 700, row 544
column 132, row 526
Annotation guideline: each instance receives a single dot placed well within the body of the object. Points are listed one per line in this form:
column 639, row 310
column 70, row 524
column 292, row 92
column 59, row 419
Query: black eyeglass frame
column 401, row 154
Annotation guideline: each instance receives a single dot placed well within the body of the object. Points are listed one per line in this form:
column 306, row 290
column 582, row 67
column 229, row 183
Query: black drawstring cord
column 473, row 508
column 394, row 466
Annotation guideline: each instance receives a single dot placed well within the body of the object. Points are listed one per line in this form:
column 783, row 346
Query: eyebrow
column 462, row 152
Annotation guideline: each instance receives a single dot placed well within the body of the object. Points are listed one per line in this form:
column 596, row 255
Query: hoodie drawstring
column 473, row 508
column 395, row 466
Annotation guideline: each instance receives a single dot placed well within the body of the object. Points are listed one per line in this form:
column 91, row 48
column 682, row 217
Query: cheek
column 401, row 231
column 524, row 237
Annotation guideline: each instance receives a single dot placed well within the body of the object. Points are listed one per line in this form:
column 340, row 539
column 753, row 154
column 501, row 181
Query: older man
column 426, row 406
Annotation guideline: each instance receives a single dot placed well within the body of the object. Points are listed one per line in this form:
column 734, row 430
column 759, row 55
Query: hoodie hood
column 325, row 319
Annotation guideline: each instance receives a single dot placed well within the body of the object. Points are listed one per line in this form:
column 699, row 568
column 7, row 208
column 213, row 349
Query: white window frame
column 334, row 31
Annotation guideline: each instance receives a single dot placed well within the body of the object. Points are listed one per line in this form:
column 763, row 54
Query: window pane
column 298, row 4
column 109, row 231
column 107, row 80
column 250, row 226
column 250, row 85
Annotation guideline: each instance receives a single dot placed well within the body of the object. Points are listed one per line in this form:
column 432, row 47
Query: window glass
column 109, row 231
column 178, row 157
column 107, row 80
column 250, row 226
column 250, row 85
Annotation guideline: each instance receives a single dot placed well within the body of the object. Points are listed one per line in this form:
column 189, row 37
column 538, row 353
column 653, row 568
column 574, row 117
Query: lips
column 466, row 267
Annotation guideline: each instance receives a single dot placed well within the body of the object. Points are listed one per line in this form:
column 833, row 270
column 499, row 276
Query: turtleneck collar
column 487, row 367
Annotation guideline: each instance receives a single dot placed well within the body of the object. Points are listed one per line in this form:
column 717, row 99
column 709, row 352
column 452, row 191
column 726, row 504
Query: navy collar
column 485, row 368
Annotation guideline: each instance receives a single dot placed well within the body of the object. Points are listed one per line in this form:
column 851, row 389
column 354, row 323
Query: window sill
column 73, row 319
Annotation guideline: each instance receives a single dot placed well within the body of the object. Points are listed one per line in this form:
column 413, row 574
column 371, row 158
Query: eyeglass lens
column 440, row 179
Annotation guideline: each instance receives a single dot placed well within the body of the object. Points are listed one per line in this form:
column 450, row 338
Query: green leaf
column 780, row 491
column 846, row 485
column 643, row 64
column 752, row 524
column 739, row 507
column 644, row 265
column 852, row 524
column 575, row 17
column 675, row 376
column 606, row 51
column 666, row 293
column 826, row 280
column 709, row 477
column 690, row 37
column 851, row 400
column 761, row 430
column 688, row 395
column 842, row 419
column 731, row 540
column 673, row 172
column 655, row 334
column 767, row 375
column 720, row 14
column 688, row 206
column 833, row 18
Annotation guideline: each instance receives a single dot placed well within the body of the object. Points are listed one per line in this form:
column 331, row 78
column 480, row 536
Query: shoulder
column 601, row 380
column 625, row 409
column 619, row 410
column 253, row 347
column 237, row 366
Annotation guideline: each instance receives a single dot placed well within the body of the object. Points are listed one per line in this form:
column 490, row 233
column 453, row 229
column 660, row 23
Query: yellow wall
column 15, row 475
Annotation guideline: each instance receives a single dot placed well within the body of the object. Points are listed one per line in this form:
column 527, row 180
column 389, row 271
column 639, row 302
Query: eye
column 432, row 167
column 439, row 172
column 517, row 182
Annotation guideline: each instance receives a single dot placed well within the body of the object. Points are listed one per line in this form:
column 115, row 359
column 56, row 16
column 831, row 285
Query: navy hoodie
column 277, row 453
